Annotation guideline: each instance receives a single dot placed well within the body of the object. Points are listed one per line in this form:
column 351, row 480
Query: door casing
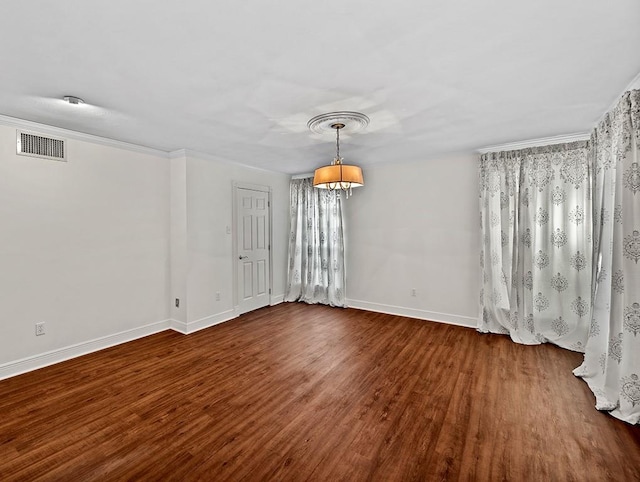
column 235, row 235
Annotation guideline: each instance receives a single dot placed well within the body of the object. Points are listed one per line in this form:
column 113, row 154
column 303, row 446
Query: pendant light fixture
column 338, row 176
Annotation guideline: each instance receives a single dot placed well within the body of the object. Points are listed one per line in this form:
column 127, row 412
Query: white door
column 252, row 242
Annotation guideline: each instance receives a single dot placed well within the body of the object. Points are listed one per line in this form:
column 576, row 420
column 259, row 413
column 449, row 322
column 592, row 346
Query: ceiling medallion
column 323, row 123
column 338, row 176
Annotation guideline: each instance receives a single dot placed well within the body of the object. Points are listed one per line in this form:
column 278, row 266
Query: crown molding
column 180, row 153
column 548, row 141
column 302, row 176
column 634, row 84
column 543, row 141
column 187, row 153
column 79, row 136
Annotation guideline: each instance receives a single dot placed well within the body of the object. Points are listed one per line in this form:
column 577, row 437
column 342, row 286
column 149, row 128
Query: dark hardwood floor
column 298, row 392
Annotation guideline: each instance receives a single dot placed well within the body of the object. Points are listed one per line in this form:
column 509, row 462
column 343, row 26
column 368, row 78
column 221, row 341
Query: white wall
column 415, row 226
column 84, row 247
column 209, row 257
column 100, row 246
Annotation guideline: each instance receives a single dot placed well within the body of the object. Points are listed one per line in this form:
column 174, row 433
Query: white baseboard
column 179, row 326
column 31, row 363
column 449, row 319
column 202, row 323
column 34, row 362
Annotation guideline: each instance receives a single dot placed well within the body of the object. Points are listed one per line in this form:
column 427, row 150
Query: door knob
column 243, row 257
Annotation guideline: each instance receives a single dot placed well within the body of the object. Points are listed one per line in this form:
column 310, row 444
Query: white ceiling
column 240, row 79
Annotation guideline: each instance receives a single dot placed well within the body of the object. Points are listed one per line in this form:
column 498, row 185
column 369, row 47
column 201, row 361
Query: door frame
column 234, row 237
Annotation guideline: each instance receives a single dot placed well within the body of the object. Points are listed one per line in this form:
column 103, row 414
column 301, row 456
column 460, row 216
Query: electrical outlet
column 217, row 296
column 40, row 328
column 177, row 302
column 413, row 292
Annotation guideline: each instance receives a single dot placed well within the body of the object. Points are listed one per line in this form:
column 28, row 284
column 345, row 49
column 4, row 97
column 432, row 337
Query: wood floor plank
column 297, row 392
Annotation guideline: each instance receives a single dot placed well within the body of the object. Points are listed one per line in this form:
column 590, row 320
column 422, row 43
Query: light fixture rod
column 337, row 126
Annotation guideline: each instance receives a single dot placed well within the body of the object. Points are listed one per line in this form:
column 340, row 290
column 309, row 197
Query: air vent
column 33, row 145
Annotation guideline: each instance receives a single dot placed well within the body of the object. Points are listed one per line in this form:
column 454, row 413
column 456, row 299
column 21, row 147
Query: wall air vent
column 33, row 145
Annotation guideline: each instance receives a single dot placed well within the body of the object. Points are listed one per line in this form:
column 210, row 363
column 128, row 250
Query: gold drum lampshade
column 338, row 176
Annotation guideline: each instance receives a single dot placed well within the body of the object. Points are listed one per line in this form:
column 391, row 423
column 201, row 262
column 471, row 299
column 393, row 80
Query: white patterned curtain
column 612, row 359
column 536, row 244
column 316, row 246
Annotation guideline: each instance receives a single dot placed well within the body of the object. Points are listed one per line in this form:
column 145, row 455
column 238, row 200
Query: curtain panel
column 536, row 244
column 561, row 252
column 316, row 271
column 611, row 365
